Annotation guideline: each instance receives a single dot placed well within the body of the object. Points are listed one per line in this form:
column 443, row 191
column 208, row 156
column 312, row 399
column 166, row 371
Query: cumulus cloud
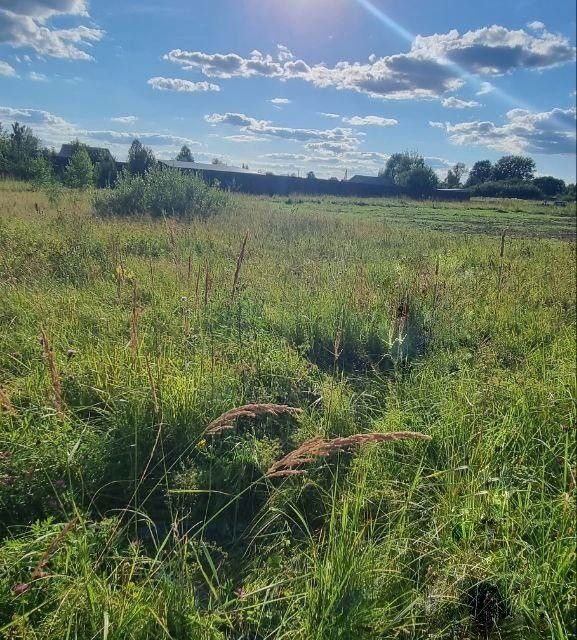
column 124, row 119
column 267, row 128
column 23, row 23
column 549, row 132
column 7, row 69
column 536, row 25
column 434, row 66
column 181, row 86
column 363, row 121
column 457, row 103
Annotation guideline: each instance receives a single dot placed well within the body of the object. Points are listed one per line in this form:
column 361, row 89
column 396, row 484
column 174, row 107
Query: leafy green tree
column 419, row 181
column 570, row 191
column 400, row 163
column 185, row 154
column 40, row 171
column 549, row 185
column 455, row 176
column 520, row 168
column 480, row 173
column 24, row 147
column 140, row 158
column 79, row 174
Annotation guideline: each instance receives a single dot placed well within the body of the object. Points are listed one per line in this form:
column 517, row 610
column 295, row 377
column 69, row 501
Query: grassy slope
column 174, row 536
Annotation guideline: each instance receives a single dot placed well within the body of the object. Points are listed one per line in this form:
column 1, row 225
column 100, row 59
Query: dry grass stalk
column 48, row 354
column 5, row 403
column 39, row 572
column 239, row 262
column 226, row 420
column 134, row 315
column 338, row 343
column 318, row 447
column 153, row 390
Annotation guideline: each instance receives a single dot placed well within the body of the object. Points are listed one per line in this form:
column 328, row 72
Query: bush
column 160, row 192
column 503, row 189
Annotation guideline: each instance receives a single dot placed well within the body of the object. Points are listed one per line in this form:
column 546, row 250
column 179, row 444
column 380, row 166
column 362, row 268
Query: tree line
column 22, row 156
column 512, row 176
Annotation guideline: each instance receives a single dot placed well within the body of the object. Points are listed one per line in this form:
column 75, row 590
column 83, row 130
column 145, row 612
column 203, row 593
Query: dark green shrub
column 504, row 189
column 160, row 192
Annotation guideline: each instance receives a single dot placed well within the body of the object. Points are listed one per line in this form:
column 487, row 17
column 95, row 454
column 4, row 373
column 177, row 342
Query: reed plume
column 225, row 422
column 239, row 262
column 318, row 447
column 48, row 354
column 5, row 403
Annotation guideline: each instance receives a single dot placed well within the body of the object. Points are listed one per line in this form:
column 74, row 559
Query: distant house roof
column 95, row 153
column 199, row 166
column 367, row 179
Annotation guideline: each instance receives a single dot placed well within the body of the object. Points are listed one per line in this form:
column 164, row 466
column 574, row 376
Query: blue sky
column 327, row 85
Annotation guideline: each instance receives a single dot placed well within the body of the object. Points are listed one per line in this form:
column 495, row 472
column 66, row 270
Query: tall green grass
column 121, row 519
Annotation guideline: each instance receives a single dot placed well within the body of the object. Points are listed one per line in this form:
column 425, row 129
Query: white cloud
column 280, row 101
column 244, row 138
column 334, row 116
column 456, row 103
column 436, row 125
column 536, row 25
column 7, row 69
column 485, row 88
column 181, row 86
column 432, row 67
column 265, row 127
column 38, row 77
column 363, row 121
column 549, row 132
column 284, row 54
column 124, row 119
column 24, row 23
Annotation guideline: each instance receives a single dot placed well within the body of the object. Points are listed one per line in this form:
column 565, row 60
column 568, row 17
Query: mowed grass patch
column 121, row 517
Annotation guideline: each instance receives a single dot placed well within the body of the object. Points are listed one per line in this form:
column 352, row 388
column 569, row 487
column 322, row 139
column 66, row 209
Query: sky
column 333, row 86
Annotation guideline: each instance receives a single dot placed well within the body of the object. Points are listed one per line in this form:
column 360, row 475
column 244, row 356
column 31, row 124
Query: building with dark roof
column 97, row 154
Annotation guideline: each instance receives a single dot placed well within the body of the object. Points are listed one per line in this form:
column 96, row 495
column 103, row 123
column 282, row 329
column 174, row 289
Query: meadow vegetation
column 140, row 495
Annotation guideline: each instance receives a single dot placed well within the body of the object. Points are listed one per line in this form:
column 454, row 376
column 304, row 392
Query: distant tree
column 311, row 175
column 455, row 176
column 520, row 168
column 293, row 175
column 79, row 174
column 185, row 154
column 400, row 163
column 216, row 161
column 23, row 148
column 105, row 170
column 269, row 173
column 40, row 171
column 140, row 158
column 480, row 173
column 549, row 185
column 333, row 179
column 4, row 148
column 570, row 191
column 244, row 166
column 418, row 181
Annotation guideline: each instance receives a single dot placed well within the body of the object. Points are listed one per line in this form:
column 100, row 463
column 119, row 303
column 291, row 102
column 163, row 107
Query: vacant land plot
column 129, row 510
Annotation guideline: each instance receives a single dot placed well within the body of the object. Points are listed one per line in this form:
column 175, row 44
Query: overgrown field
column 121, row 517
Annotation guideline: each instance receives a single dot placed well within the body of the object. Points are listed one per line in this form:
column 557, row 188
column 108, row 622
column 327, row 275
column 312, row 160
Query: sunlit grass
column 375, row 316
